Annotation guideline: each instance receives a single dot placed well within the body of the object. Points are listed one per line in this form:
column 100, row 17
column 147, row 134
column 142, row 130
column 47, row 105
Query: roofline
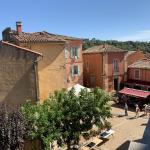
column 105, row 52
column 145, row 68
column 22, row 48
column 67, row 37
column 56, row 42
column 144, row 59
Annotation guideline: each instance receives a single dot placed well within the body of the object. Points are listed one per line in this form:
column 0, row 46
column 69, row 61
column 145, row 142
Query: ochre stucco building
column 61, row 65
column 18, row 74
column 105, row 66
column 139, row 75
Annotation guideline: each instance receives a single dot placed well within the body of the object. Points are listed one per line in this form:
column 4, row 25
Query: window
column 75, row 52
column 75, row 70
column 137, row 74
column 115, row 65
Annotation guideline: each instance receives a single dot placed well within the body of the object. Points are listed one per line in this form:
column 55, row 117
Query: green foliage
column 64, row 116
column 12, row 129
column 128, row 45
column 42, row 122
column 80, row 113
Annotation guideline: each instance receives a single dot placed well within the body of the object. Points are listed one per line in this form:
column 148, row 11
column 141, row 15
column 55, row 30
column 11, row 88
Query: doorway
column 116, row 83
column 92, row 81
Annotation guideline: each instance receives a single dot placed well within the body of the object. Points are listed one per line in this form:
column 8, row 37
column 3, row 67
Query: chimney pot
column 19, row 27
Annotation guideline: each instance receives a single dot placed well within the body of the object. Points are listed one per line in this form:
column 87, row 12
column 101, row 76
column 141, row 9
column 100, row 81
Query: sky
column 121, row 20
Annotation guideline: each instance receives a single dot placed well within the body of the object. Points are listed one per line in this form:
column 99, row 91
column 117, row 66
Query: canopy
column 135, row 92
column 78, row 88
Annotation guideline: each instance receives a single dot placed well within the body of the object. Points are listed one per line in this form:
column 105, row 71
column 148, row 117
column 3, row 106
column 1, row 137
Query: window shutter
column 66, row 53
column 71, row 52
column 72, row 71
column 78, row 52
column 78, row 70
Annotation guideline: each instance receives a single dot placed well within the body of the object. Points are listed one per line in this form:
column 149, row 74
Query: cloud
column 138, row 36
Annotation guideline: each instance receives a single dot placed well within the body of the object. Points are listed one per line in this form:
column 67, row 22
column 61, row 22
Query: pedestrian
column 145, row 109
column 148, row 109
column 126, row 109
column 137, row 109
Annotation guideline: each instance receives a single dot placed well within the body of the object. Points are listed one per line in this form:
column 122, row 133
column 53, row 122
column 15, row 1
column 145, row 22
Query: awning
column 135, row 92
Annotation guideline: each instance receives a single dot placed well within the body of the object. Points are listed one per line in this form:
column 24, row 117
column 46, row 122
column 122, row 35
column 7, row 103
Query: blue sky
column 102, row 19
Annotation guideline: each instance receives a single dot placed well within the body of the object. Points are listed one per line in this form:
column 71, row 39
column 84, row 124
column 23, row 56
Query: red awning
column 135, row 92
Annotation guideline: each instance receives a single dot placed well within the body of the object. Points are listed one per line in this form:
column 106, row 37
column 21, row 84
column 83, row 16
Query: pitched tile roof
column 40, row 37
column 141, row 64
column 22, row 48
column 129, row 53
column 147, row 54
column 103, row 48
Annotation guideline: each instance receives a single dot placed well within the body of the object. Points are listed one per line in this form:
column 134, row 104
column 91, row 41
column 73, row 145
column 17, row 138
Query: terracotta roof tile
column 130, row 53
column 40, row 37
column 103, row 48
column 144, row 64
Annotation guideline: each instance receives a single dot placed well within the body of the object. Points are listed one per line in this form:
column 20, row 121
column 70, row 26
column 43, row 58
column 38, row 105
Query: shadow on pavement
column 124, row 146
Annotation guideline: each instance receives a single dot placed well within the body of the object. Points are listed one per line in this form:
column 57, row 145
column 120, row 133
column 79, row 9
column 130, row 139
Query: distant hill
column 128, row 45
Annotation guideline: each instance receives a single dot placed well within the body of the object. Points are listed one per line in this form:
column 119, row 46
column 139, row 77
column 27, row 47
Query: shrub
column 12, row 128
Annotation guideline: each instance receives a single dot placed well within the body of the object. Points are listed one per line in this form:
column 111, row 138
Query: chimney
column 104, row 45
column 19, row 27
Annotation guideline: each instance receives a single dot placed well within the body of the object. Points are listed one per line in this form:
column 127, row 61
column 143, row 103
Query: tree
column 127, row 45
column 64, row 116
column 80, row 113
column 12, row 129
column 43, row 122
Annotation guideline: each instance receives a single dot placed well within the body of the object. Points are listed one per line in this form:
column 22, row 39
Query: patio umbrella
column 78, row 88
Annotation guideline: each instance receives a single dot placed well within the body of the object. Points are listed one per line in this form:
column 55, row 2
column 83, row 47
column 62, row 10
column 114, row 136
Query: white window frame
column 138, row 73
column 75, row 52
column 73, row 70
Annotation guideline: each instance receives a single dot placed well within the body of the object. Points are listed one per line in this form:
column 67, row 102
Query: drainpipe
column 37, row 77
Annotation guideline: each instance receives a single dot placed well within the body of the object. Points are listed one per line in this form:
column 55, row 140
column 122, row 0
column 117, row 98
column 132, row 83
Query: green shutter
column 72, row 71
column 71, row 52
column 66, row 53
column 78, row 52
column 78, row 70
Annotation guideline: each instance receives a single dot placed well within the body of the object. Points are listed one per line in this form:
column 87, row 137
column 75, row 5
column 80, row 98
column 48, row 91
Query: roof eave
column 22, row 48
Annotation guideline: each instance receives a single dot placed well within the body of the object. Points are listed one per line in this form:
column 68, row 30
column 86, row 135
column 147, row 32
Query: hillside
column 128, row 45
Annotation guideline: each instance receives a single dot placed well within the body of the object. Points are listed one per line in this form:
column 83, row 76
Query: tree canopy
column 64, row 116
column 127, row 45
